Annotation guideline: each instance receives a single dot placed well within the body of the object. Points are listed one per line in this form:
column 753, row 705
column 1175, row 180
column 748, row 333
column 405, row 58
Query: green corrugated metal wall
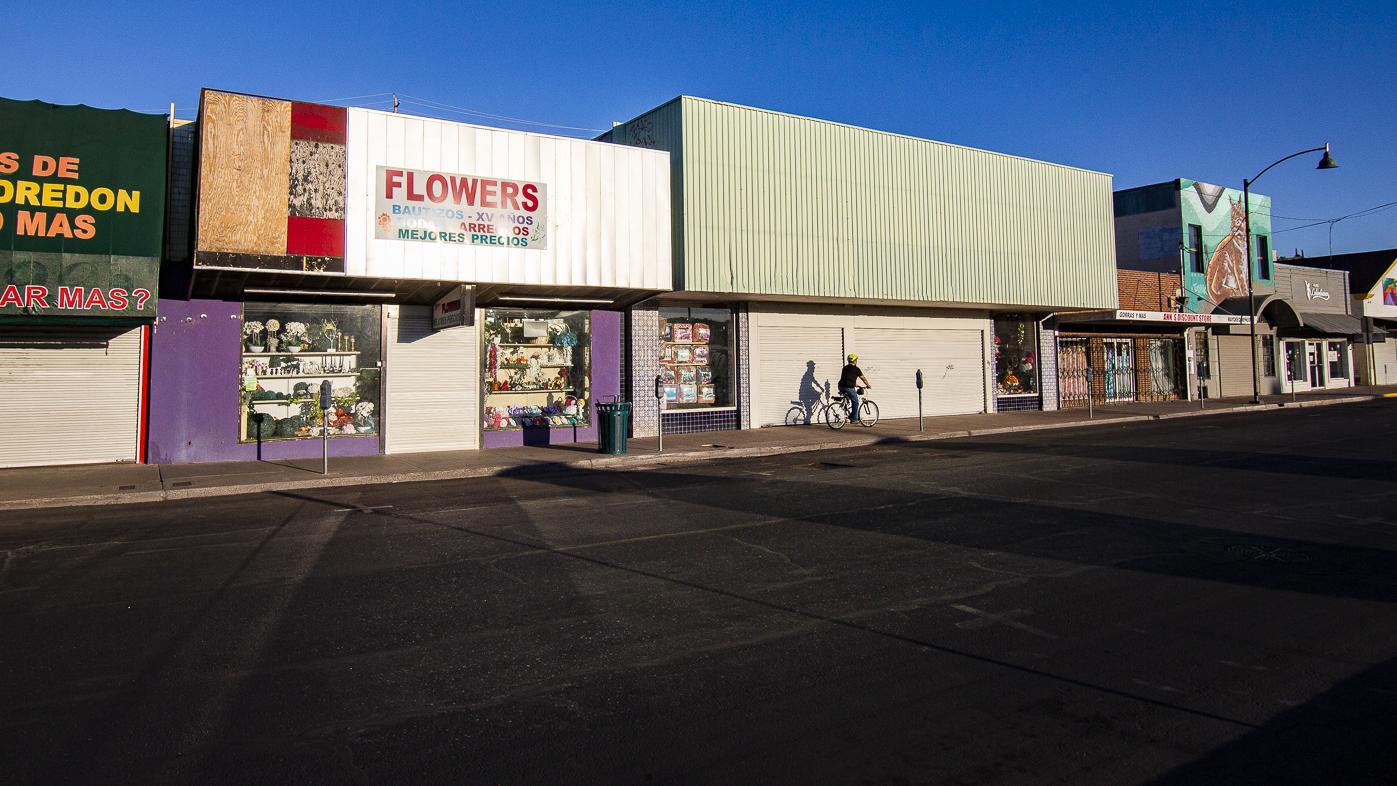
column 773, row 204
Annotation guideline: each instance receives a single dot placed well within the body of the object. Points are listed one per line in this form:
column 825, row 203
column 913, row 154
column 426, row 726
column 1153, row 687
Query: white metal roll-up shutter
column 952, row 364
column 432, row 381
column 70, row 399
column 795, row 364
column 1385, row 362
column 1234, row 361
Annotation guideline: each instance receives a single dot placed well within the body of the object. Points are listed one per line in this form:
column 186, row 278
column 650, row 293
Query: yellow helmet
column 853, row 357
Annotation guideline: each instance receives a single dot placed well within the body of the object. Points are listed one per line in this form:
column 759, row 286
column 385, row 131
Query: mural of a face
column 1227, row 267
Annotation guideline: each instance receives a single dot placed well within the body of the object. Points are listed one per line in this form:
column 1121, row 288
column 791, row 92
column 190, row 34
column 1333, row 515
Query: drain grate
column 179, row 484
column 127, row 487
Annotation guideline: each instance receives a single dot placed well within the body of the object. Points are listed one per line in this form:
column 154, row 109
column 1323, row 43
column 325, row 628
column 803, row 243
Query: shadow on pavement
column 1345, row 735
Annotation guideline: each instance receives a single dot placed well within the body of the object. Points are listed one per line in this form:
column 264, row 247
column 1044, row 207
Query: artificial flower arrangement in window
column 252, row 335
column 295, row 336
column 273, row 327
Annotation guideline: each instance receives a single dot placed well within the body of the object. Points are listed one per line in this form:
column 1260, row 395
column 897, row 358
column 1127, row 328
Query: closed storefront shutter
column 1234, row 365
column 1385, row 362
column 796, row 364
column 69, row 399
column 432, row 384
column 952, row 364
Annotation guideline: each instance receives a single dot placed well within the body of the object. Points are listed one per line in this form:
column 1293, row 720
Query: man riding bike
column 848, row 385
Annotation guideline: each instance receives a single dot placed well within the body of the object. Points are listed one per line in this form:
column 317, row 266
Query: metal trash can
column 613, row 426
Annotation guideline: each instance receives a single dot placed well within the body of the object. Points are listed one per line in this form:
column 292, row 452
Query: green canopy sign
column 82, row 210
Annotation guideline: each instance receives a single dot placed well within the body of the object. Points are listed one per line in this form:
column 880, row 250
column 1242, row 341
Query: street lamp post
column 1326, row 162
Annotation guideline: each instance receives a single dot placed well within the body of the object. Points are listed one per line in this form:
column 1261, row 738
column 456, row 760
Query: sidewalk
column 105, row 484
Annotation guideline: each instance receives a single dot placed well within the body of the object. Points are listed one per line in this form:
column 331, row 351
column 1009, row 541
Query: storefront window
column 537, row 368
column 1015, row 356
column 288, row 350
column 1295, row 360
column 1338, row 360
column 696, row 352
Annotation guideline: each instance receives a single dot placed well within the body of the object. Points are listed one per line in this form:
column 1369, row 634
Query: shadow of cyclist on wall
column 808, row 397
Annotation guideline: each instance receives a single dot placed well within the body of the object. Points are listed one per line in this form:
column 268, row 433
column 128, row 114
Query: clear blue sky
column 1147, row 92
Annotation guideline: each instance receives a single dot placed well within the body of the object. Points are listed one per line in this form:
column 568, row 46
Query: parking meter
column 659, row 411
column 1091, row 410
column 327, row 403
column 921, row 426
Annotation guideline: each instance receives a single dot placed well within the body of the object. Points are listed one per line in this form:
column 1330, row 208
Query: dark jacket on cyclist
column 848, row 385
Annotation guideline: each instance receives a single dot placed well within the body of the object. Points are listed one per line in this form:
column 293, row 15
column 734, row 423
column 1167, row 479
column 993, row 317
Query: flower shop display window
column 537, row 369
column 288, row 350
column 696, row 357
column 1015, row 356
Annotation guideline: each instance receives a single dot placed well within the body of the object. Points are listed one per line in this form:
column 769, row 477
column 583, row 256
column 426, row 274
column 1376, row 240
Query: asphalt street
column 1210, row 600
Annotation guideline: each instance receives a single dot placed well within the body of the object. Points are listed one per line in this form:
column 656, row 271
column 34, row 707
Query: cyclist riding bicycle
column 848, row 385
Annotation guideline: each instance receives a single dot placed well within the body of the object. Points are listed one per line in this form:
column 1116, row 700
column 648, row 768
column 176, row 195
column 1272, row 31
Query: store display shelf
column 534, row 390
column 541, row 365
column 324, row 375
column 686, row 343
column 535, row 346
column 297, row 354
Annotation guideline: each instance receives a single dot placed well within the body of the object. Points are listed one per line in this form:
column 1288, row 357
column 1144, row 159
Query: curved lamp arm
column 1324, row 147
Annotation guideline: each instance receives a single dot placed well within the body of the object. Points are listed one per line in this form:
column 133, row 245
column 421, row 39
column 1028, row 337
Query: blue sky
column 1144, row 91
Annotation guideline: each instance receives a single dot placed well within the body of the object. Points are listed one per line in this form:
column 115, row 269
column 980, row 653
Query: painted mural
column 1389, row 291
column 1219, row 211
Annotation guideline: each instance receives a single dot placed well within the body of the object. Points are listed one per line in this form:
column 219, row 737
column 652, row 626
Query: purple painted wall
column 196, row 357
column 606, row 382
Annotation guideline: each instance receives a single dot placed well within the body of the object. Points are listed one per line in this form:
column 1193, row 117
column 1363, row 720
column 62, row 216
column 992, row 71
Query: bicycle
column 837, row 411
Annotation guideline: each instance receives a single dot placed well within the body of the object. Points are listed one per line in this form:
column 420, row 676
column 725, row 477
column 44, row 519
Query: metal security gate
column 1119, row 369
column 1114, row 370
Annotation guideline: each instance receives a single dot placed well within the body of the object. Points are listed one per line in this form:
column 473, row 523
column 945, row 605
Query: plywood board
column 244, row 174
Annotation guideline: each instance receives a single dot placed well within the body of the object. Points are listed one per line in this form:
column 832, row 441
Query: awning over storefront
column 1332, row 324
column 1280, row 311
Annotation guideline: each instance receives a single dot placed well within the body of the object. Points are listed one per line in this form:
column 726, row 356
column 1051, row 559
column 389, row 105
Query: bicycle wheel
column 835, row 416
column 868, row 413
column 795, row 416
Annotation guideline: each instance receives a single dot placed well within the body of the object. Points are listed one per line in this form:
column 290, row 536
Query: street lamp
column 1326, row 162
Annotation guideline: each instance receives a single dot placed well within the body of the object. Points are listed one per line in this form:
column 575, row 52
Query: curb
column 633, row 461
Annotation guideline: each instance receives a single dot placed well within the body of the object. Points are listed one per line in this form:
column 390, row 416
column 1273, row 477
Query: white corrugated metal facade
column 431, row 384
column 775, row 204
column 70, row 399
column 608, row 206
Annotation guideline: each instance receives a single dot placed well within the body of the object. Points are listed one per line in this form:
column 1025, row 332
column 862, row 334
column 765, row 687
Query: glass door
column 1314, row 356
